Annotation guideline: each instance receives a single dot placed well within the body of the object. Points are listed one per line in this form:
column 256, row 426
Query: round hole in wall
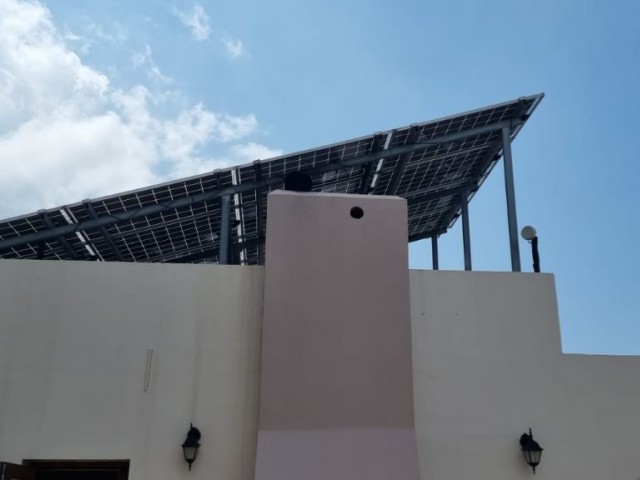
column 357, row 212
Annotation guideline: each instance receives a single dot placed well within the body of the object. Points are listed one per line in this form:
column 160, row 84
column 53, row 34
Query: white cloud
column 140, row 57
column 92, row 34
column 116, row 34
column 37, row 72
column 143, row 58
column 48, row 161
column 234, row 47
column 251, row 151
column 67, row 133
column 196, row 20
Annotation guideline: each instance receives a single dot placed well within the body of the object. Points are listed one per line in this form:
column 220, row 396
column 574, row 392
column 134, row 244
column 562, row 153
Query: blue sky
column 99, row 97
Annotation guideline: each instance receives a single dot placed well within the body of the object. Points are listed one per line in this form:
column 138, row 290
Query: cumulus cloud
column 38, row 74
column 67, row 133
column 50, row 161
column 196, row 20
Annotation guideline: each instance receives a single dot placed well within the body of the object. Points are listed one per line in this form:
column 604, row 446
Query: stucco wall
column 336, row 383
column 73, row 348
column 487, row 365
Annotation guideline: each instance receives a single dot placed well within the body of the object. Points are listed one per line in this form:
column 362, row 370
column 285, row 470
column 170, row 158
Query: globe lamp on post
column 530, row 235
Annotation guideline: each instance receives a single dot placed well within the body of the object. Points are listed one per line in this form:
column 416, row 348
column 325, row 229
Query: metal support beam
column 535, row 254
column 371, row 167
column 434, row 253
column 474, row 132
column 60, row 238
column 105, row 234
column 466, row 239
column 439, row 194
column 257, row 171
column 511, row 200
column 235, row 258
column 365, row 181
column 422, row 236
column 225, row 229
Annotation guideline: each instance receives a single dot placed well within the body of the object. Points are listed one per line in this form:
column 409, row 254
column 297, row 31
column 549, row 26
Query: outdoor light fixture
column 191, row 445
column 530, row 235
column 531, row 450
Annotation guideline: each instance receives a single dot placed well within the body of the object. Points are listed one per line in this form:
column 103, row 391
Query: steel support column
column 511, row 200
column 225, row 229
column 466, row 239
column 434, row 253
column 257, row 171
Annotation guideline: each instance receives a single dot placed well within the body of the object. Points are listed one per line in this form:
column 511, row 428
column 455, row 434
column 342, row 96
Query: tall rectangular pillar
column 336, row 398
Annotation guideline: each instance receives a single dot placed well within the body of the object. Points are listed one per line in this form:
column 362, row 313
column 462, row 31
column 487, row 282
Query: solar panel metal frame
column 433, row 165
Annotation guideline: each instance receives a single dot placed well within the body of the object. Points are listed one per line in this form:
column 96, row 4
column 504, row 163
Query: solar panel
column 434, row 165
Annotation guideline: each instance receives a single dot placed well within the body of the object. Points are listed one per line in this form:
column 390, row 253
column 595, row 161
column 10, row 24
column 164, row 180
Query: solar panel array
column 432, row 164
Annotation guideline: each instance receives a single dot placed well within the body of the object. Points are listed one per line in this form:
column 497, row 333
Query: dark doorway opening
column 66, row 470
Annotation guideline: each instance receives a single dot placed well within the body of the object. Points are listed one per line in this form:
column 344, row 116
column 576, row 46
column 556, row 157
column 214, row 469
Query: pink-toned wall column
column 336, row 399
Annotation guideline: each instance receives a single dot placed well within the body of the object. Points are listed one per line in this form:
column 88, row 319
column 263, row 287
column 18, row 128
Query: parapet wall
column 487, row 361
column 488, row 365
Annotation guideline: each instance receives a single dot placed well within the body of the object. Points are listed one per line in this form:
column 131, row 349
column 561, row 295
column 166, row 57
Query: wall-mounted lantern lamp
column 191, row 445
column 531, row 450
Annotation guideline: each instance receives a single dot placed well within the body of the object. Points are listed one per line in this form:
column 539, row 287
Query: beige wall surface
column 488, row 365
column 336, row 328
column 73, row 347
column 486, row 355
column 336, row 384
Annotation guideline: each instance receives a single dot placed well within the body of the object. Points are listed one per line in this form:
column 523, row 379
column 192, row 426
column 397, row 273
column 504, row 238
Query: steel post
column 536, row 255
column 466, row 239
column 434, row 253
column 225, row 229
column 511, row 200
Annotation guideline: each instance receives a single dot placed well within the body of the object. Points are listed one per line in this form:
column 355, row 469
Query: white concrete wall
column 487, row 365
column 73, row 348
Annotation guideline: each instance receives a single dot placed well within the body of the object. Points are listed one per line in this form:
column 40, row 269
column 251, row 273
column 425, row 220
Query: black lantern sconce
column 191, row 445
column 531, row 450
